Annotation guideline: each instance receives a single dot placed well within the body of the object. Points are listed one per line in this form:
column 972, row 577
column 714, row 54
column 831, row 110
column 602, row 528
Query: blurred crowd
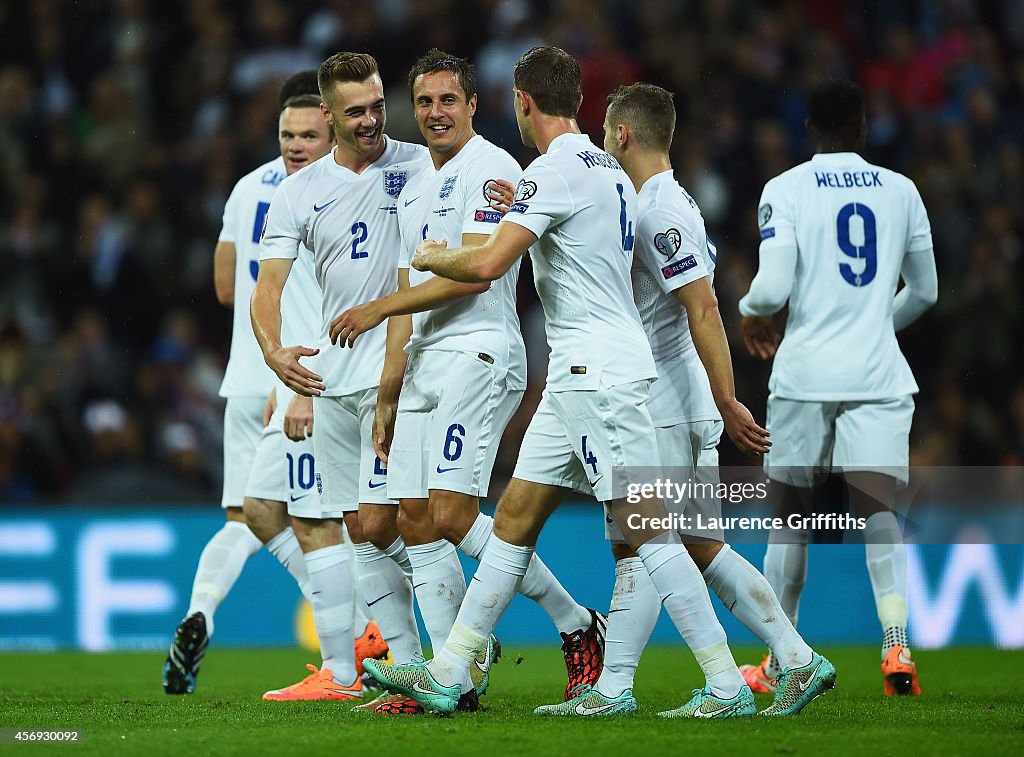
column 124, row 125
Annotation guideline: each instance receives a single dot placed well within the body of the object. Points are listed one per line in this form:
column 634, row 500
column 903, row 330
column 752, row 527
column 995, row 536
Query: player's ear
column 524, row 101
column 472, row 106
column 623, row 134
column 326, row 113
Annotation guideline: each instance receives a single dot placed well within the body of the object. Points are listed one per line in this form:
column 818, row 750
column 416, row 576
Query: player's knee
column 622, row 551
column 453, row 514
column 314, row 533
column 523, row 509
column 236, row 514
column 703, row 553
column 379, row 525
column 355, row 528
column 266, row 519
column 414, row 522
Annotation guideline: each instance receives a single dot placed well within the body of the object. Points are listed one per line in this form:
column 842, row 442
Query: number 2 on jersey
column 866, row 251
column 359, row 234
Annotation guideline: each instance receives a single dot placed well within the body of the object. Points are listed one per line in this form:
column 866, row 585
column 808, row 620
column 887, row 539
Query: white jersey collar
column 567, row 139
column 339, row 170
column 467, row 149
column 652, row 183
column 828, row 158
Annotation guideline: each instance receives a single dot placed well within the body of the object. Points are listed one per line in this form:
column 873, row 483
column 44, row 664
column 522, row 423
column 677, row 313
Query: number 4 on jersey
column 625, row 222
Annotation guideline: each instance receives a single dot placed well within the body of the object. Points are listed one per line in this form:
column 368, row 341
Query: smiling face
column 355, row 110
column 444, row 115
column 304, row 137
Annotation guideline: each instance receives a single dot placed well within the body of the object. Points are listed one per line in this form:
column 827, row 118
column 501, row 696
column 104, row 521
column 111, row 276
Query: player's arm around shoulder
column 478, row 263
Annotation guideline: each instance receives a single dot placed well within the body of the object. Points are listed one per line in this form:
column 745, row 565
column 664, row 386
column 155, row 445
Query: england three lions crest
column 394, row 181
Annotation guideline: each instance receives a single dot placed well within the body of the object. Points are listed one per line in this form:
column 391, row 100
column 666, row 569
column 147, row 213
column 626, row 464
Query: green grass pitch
column 972, row 705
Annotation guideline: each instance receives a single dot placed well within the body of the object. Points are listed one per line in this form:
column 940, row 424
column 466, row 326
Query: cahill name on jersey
column 581, row 206
column 349, row 222
column 851, row 222
column 446, row 204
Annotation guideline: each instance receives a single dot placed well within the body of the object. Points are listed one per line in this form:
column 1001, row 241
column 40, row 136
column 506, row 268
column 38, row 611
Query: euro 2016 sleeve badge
column 394, row 181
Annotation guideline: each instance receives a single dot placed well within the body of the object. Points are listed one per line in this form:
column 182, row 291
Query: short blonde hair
column 344, row 67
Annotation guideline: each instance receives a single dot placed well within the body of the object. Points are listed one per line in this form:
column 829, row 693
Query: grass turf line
column 972, row 705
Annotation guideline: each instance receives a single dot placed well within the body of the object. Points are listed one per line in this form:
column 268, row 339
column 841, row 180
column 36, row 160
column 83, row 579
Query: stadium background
column 124, row 125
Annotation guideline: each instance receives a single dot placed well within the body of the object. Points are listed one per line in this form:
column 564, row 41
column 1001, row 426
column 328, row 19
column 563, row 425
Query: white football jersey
column 446, row 204
column 851, row 223
column 672, row 250
column 247, row 375
column 349, row 222
column 581, row 206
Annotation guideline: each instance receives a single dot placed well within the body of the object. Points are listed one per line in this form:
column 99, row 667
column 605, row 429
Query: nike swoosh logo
column 376, row 486
column 416, row 586
column 445, row 470
column 378, row 599
column 701, row 713
column 904, row 660
column 595, row 482
column 296, row 499
column 582, row 709
column 410, row 202
column 318, row 208
column 420, row 690
column 805, row 686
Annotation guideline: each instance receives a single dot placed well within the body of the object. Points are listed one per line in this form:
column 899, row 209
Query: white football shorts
column 284, row 470
column 690, row 450
column 591, row 441
column 451, row 414
column 811, row 438
column 348, row 470
column 243, row 424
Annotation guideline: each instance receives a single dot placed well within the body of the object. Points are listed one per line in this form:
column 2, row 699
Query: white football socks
column 632, row 616
column 887, row 566
column 219, row 567
column 359, row 617
column 387, row 592
column 685, row 597
column 502, row 567
column 785, row 568
column 330, row 585
column 285, row 547
column 440, row 585
column 750, row 598
column 539, row 583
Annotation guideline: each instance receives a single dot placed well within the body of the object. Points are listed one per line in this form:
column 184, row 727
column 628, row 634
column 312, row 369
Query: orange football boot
column 370, row 645
column 899, row 673
column 318, row 685
column 757, row 678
